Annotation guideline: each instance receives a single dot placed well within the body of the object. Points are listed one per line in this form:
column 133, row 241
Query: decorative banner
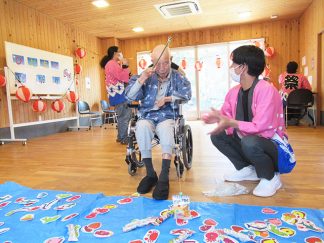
column 269, row 52
column 57, row 105
column 142, row 63
column 198, row 65
column 23, row 93
column 80, row 52
column 72, row 96
column 184, row 63
column 39, row 106
column 218, row 61
column 2, row 81
column 77, row 68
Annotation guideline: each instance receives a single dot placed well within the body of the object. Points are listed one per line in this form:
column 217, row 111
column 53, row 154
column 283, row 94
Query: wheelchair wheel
column 137, row 158
column 132, row 168
column 187, row 147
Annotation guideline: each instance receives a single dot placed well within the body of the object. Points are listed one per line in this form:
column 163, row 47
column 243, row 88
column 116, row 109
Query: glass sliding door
column 212, row 68
column 185, row 58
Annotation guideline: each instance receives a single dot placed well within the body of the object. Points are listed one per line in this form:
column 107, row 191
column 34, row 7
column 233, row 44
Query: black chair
column 298, row 103
column 84, row 110
column 109, row 113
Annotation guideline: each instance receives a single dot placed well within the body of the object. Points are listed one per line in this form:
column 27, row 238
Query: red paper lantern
column 57, row 105
column 184, row 63
column 23, row 93
column 80, row 52
column 77, row 68
column 198, row 65
column 142, row 63
column 39, row 106
column 2, row 81
column 72, row 96
column 269, row 52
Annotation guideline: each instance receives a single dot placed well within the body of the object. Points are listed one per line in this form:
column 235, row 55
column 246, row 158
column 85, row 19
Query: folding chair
column 84, row 110
column 109, row 113
column 298, row 103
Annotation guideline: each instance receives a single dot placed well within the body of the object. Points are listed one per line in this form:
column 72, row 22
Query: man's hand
column 223, row 122
column 162, row 101
column 145, row 75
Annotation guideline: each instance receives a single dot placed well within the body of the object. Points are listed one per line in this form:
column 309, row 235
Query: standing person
column 117, row 76
column 291, row 80
column 157, row 88
column 251, row 131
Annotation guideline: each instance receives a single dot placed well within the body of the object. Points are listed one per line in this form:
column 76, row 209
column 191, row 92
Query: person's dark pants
column 123, row 116
column 260, row 152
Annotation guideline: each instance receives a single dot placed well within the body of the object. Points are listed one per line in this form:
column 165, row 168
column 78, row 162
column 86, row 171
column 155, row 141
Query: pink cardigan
column 115, row 73
column 267, row 109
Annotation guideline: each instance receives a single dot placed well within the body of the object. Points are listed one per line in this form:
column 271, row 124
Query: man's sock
column 164, row 175
column 149, row 167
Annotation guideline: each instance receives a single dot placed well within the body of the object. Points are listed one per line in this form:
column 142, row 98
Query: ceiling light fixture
column 100, row 3
column 245, row 14
column 138, row 29
column 273, row 16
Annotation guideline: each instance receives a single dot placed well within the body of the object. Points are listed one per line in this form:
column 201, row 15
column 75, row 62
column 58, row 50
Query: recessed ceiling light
column 245, row 14
column 138, row 29
column 100, row 3
column 273, row 16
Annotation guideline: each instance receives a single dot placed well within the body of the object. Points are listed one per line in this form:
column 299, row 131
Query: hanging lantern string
column 39, row 97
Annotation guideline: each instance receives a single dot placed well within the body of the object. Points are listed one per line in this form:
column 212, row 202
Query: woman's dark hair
column 251, row 56
column 292, row 67
column 110, row 54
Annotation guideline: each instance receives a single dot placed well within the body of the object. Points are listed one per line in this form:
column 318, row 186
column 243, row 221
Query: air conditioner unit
column 178, row 8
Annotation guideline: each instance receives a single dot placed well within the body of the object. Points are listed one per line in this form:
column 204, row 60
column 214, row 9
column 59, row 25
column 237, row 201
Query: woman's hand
column 162, row 101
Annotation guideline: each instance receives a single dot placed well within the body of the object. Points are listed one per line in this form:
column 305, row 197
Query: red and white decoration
column 24, row 94
column 142, row 63
column 57, row 105
column 269, row 51
column 198, row 65
column 72, row 96
column 80, row 52
column 77, row 68
column 39, row 106
column 184, row 63
column 2, row 81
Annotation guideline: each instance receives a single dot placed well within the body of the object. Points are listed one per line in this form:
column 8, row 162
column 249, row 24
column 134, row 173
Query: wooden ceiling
column 121, row 16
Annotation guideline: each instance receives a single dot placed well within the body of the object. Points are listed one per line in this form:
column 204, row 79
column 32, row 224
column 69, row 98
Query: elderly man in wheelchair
column 158, row 89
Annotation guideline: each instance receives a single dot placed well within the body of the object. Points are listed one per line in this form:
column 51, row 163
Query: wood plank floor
column 91, row 162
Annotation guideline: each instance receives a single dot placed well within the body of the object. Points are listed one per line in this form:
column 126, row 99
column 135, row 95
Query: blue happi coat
column 179, row 88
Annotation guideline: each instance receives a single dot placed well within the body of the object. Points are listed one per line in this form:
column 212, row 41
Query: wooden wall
column 311, row 24
column 26, row 26
column 281, row 34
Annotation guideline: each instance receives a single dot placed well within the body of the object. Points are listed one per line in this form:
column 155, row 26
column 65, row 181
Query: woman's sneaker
column 267, row 188
column 248, row 173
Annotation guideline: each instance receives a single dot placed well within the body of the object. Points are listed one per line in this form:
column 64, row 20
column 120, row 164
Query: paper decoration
column 39, row 106
column 57, row 105
column 77, row 68
column 2, row 81
column 80, row 52
column 72, row 96
column 24, row 94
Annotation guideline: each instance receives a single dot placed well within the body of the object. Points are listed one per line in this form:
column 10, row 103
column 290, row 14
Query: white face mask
column 235, row 77
column 120, row 56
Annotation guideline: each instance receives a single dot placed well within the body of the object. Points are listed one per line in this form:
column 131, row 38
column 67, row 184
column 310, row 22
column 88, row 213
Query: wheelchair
column 183, row 149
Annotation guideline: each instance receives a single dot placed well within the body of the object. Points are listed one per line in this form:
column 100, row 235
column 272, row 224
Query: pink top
column 115, row 73
column 267, row 111
column 292, row 81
